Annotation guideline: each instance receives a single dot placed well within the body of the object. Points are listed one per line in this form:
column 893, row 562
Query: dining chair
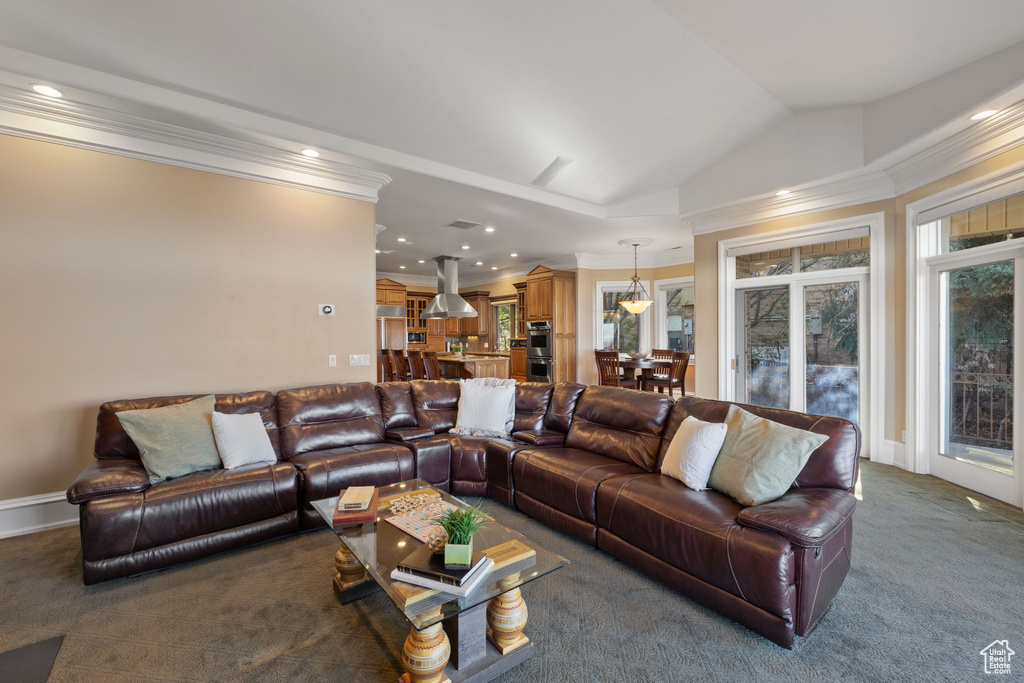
column 610, row 371
column 431, row 366
column 401, row 367
column 676, row 376
column 416, row 369
column 387, row 365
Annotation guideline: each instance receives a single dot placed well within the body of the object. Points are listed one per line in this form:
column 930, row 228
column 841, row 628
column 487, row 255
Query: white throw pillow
column 692, row 452
column 242, row 440
column 487, row 407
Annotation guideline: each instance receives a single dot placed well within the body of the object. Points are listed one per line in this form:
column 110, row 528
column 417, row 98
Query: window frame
column 661, row 308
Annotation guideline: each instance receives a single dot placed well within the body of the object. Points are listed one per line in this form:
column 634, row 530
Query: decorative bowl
column 638, row 356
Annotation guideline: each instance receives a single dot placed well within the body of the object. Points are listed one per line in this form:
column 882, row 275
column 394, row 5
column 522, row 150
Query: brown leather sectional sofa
column 584, row 460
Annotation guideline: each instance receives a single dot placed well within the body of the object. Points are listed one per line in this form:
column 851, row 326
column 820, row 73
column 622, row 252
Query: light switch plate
column 332, row 361
column 359, row 360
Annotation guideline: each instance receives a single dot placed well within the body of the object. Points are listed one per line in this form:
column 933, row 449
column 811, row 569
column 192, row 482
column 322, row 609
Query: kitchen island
column 468, row 366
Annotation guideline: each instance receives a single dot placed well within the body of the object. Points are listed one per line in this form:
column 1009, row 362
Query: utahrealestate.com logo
column 997, row 657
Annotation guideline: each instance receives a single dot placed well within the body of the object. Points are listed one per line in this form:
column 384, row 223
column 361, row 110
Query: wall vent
column 462, row 225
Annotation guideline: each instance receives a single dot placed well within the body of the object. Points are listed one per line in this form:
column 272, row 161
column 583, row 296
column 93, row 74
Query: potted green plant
column 460, row 524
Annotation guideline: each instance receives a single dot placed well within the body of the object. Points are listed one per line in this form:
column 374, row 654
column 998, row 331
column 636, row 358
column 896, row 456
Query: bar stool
column 431, row 366
column 416, row 369
column 401, row 367
column 387, row 365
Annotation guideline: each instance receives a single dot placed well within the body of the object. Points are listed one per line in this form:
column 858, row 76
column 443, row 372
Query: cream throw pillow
column 760, row 459
column 174, row 440
column 242, row 440
column 487, row 407
column 693, row 451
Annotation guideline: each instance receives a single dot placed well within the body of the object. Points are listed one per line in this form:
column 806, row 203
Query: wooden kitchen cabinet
column 539, row 293
column 480, row 326
column 452, row 328
column 415, row 304
column 551, row 296
column 520, row 331
column 390, row 293
column 517, row 363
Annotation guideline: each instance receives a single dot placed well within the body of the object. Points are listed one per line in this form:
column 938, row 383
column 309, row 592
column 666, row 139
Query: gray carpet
column 938, row 574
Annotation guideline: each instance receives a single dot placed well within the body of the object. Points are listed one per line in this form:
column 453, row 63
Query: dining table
column 647, row 368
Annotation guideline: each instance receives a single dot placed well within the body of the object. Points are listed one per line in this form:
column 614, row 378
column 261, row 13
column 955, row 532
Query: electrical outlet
column 359, row 360
column 332, row 361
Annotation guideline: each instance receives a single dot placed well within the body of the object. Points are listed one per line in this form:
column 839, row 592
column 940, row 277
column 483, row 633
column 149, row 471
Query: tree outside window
column 505, row 317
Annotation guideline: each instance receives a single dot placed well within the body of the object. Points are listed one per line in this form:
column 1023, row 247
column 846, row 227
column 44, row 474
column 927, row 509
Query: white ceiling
column 464, row 102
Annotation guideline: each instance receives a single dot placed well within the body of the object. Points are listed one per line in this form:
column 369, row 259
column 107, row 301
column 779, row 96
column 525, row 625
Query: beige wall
column 586, row 300
column 125, row 278
column 894, row 344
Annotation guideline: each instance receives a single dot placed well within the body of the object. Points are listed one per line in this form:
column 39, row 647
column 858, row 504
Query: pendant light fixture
column 635, row 304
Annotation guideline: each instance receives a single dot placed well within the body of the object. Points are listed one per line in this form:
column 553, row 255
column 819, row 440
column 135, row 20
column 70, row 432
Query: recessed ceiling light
column 984, row 114
column 782, row 193
column 489, row 229
column 401, row 239
column 402, row 267
column 465, row 246
column 421, row 261
column 513, row 255
column 479, row 263
column 494, row 267
column 47, row 90
column 310, row 153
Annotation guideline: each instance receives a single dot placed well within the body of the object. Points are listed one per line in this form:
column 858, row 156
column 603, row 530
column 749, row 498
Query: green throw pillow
column 174, row 440
column 760, row 459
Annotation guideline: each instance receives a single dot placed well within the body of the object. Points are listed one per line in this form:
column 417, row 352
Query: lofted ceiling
column 465, row 102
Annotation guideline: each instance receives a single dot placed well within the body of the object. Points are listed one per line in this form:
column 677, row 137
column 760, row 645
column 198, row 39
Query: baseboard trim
column 895, row 453
column 19, row 516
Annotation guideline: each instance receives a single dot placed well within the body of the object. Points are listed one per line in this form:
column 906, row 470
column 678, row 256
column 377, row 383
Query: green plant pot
column 458, row 556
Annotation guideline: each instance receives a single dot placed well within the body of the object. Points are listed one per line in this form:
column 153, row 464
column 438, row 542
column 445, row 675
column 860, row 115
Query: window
column 809, row 258
column 1000, row 221
column 618, row 329
column 674, row 310
column 505, row 324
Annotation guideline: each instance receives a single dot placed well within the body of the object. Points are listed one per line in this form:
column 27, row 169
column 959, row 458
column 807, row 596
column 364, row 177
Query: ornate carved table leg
column 350, row 570
column 506, row 617
column 426, row 653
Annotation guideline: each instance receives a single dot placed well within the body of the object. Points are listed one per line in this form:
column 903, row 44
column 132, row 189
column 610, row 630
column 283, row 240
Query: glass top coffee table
column 482, row 634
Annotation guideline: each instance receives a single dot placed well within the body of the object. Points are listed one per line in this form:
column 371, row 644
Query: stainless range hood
column 448, row 303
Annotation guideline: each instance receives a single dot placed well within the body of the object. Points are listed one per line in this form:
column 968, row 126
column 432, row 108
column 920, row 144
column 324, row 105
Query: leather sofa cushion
column 620, row 425
column 436, row 403
column 396, row 405
column 564, row 397
column 405, row 434
column 112, row 441
column 323, row 473
column 532, row 401
column 697, row 532
column 187, row 507
column 329, row 416
column 565, row 478
column 834, row 464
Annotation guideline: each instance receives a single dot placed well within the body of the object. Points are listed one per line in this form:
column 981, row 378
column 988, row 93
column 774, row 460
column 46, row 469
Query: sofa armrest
column 404, row 434
column 805, row 517
column 540, row 437
column 108, row 477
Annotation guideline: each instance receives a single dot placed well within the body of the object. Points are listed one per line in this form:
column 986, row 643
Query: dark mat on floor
column 31, row 663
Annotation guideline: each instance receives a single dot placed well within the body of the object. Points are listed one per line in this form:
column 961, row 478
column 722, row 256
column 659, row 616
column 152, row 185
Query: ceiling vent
column 463, row 225
column 551, row 172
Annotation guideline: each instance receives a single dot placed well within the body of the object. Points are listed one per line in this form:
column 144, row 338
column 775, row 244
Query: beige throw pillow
column 174, row 440
column 693, row 451
column 760, row 459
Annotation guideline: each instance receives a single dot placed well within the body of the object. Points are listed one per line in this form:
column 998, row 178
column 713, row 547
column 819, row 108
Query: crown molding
column 850, row 191
column 661, row 259
column 87, row 126
column 409, row 280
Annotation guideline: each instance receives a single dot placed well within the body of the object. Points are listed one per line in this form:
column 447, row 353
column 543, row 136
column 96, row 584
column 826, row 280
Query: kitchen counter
column 468, row 366
column 498, row 354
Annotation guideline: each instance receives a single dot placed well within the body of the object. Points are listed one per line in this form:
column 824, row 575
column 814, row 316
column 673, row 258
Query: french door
column 977, row 338
column 801, row 343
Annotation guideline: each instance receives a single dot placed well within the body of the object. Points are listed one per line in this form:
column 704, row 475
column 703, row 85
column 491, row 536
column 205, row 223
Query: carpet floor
column 938, row 574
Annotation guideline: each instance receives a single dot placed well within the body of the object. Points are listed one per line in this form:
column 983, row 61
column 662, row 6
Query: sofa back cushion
column 621, row 424
column 564, row 398
column 329, row 416
column 532, row 400
column 436, row 403
column 832, row 465
column 112, row 441
column 396, row 405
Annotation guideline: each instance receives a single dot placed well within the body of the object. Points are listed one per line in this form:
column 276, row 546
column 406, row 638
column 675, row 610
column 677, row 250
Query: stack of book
column 356, row 505
column 425, row 568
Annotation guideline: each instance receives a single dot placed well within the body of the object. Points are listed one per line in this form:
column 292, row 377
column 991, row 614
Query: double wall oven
column 539, row 345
